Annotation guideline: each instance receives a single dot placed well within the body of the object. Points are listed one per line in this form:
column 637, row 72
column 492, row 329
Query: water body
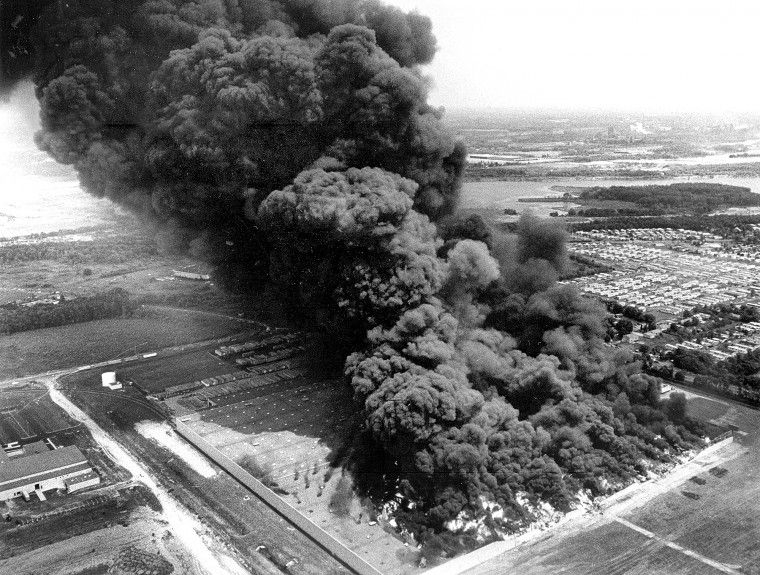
column 38, row 195
column 505, row 194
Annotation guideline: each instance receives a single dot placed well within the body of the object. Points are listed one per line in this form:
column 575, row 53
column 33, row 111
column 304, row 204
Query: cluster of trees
column 737, row 376
column 111, row 250
column 727, row 311
column 611, row 212
column 720, row 316
column 17, row 317
column 648, row 320
column 582, row 266
column 689, row 197
column 723, row 225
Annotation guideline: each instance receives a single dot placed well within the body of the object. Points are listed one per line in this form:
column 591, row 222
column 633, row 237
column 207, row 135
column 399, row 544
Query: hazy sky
column 651, row 55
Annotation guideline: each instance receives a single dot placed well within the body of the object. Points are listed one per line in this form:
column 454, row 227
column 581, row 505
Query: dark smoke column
column 188, row 111
column 291, row 141
column 17, row 20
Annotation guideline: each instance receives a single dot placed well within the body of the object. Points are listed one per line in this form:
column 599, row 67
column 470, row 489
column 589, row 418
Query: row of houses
column 649, row 234
column 666, row 281
column 721, row 347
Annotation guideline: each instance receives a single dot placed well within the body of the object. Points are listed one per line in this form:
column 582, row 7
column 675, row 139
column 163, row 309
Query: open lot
column 290, row 428
column 127, row 540
column 27, row 414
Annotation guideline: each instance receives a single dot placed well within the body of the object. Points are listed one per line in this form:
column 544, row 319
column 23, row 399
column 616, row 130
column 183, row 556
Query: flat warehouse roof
column 16, row 468
column 40, row 477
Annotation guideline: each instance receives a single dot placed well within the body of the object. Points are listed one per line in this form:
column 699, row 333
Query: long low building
column 39, row 470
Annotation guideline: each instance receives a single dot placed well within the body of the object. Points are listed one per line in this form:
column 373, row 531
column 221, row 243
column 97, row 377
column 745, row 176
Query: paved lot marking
column 688, row 552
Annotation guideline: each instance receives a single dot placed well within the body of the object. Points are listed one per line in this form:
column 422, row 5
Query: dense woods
column 114, row 250
column 690, row 197
column 19, row 317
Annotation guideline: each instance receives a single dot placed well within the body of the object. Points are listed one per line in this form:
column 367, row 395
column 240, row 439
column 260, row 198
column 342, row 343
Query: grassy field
column 41, row 350
column 67, row 516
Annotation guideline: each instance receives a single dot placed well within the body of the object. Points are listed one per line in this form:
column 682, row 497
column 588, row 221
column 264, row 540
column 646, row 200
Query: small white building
column 108, row 380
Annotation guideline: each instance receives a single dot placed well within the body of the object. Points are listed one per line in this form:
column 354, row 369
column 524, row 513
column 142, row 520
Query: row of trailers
column 252, row 356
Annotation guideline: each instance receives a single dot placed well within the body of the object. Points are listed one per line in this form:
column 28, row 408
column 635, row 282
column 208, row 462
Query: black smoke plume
column 186, row 111
column 290, row 141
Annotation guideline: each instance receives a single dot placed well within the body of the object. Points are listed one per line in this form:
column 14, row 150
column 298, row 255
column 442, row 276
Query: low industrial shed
column 41, row 471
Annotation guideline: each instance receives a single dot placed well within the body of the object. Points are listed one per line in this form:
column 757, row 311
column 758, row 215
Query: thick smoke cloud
column 290, row 141
column 500, row 388
column 349, row 248
column 187, row 110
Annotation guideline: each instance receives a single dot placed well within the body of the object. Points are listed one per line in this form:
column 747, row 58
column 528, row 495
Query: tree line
column 111, row 250
column 691, row 197
column 18, row 317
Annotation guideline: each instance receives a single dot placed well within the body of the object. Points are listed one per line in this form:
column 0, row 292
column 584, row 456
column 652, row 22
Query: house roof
column 29, row 465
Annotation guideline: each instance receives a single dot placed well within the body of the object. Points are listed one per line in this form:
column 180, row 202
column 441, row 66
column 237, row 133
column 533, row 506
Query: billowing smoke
column 500, row 388
column 186, row 111
column 290, row 141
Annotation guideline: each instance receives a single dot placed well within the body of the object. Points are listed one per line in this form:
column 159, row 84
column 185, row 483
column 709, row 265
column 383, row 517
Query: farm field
column 107, row 537
column 36, row 351
column 710, row 518
column 27, row 414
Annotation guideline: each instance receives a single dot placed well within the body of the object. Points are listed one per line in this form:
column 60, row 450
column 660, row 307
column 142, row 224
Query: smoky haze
column 291, row 142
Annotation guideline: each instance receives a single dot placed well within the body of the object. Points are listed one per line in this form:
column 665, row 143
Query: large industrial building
column 39, row 468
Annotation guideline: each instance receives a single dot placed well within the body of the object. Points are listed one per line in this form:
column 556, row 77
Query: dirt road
column 196, row 539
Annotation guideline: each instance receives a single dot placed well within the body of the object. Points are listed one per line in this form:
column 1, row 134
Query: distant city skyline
column 648, row 56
